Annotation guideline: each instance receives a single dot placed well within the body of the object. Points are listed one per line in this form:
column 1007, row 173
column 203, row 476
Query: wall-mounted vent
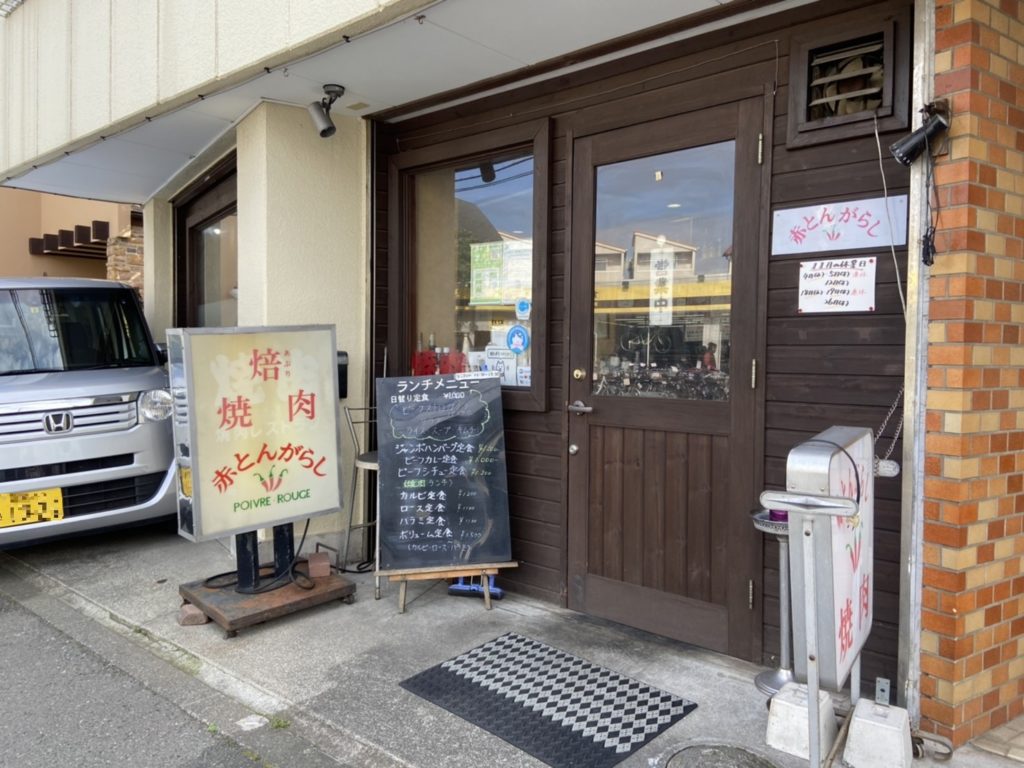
column 846, row 79
column 844, row 76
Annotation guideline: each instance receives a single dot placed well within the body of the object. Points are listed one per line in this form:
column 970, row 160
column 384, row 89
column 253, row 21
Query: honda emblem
column 57, row 423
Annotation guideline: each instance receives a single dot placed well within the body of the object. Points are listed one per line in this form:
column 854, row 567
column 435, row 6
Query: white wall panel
column 53, row 91
column 5, row 113
column 253, row 215
column 188, row 39
column 15, row 57
column 310, row 18
column 133, row 57
column 90, row 66
column 30, row 86
column 249, row 30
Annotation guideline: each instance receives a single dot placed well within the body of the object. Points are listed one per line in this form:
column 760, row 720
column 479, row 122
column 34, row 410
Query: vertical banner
column 662, row 281
column 256, row 426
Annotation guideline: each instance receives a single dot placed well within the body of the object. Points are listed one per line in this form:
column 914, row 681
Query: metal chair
column 361, row 420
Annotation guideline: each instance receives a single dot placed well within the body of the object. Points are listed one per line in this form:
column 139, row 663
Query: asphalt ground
column 95, row 620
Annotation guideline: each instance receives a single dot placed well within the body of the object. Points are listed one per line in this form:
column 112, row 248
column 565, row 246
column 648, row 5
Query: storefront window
column 474, row 268
column 467, row 259
column 216, row 255
column 474, row 253
column 206, row 250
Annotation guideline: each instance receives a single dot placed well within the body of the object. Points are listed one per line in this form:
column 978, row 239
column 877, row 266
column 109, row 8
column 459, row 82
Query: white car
column 85, row 431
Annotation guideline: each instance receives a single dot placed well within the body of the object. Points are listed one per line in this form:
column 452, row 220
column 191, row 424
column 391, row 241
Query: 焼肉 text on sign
column 258, row 442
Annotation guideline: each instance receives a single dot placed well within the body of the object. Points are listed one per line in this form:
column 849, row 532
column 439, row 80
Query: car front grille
column 65, row 468
column 110, row 494
column 92, row 415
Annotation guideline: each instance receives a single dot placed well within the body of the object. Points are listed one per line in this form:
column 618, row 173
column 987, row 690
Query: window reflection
column 474, row 268
column 663, row 275
column 217, row 272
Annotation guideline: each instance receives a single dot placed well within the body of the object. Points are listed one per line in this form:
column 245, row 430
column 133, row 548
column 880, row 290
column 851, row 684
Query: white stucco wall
column 303, row 240
column 72, row 70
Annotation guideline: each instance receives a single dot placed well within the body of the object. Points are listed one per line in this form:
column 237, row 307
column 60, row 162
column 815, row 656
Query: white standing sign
column 851, row 476
column 257, row 409
column 840, row 226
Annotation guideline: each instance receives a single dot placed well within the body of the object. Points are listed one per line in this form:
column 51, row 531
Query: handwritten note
column 841, row 285
column 443, row 488
column 840, row 226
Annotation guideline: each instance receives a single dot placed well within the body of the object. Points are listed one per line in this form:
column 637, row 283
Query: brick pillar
column 124, row 257
column 972, row 654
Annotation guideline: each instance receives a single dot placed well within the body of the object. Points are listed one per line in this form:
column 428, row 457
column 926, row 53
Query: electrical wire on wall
column 889, row 468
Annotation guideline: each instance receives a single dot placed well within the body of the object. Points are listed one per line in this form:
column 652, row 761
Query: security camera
column 320, row 111
column 321, row 119
column 910, row 147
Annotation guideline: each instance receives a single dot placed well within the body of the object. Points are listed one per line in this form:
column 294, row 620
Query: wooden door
column 663, row 392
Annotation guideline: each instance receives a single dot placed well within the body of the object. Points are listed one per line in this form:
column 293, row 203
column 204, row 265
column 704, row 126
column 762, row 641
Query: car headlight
column 155, row 405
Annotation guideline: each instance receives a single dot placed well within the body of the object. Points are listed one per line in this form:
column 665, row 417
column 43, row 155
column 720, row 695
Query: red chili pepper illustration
column 855, row 551
column 271, row 483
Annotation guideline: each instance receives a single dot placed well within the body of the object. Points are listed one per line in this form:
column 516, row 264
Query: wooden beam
column 101, row 231
column 83, row 234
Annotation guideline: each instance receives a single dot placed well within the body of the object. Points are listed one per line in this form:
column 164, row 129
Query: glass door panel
column 663, row 275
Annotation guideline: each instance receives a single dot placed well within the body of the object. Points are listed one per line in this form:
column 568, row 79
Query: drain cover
column 717, row 756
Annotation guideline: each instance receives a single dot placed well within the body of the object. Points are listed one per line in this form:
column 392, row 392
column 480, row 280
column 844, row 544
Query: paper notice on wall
column 502, row 362
column 841, row 285
column 840, row 226
column 517, row 271
column 485, row 261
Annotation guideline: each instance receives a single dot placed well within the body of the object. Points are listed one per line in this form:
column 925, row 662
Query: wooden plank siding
column 818, row 370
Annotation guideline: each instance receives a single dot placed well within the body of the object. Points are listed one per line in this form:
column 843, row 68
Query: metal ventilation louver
column 846, row 79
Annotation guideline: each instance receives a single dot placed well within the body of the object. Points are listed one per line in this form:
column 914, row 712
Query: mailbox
column 342, row 375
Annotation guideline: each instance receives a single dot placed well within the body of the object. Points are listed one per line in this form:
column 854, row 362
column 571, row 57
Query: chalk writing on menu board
column 443, row 489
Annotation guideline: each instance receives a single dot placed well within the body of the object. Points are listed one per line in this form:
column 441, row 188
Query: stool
column 367, row 461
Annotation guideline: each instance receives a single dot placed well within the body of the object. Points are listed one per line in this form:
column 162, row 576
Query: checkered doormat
column 555, row 706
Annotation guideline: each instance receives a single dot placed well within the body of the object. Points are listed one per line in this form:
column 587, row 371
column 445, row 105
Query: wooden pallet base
column 233, row 610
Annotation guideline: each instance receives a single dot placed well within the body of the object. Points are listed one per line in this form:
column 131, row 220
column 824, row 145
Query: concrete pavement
column 333, row 671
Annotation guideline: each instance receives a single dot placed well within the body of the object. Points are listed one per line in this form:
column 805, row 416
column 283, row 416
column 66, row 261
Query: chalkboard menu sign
column 443, row 489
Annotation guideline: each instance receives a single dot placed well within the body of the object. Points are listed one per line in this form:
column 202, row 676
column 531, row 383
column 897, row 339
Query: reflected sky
column 686, row 196
column 507, row 200
column 692, row 203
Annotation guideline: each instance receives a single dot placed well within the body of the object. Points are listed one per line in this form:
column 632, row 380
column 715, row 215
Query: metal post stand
column 771, row 681
column 247, row 559
column 810, row 612
column 284, row 549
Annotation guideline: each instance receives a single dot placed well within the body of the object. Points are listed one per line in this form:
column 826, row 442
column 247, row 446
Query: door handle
column 579, row 408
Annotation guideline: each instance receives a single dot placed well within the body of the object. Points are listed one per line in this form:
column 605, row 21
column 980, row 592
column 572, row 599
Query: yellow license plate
column 30, row 507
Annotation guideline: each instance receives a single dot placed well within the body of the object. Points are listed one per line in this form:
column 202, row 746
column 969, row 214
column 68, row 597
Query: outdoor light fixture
column 909, row 148
column 320, row 111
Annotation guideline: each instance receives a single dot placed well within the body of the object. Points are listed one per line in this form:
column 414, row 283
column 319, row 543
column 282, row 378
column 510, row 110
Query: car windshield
column 64, row 329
